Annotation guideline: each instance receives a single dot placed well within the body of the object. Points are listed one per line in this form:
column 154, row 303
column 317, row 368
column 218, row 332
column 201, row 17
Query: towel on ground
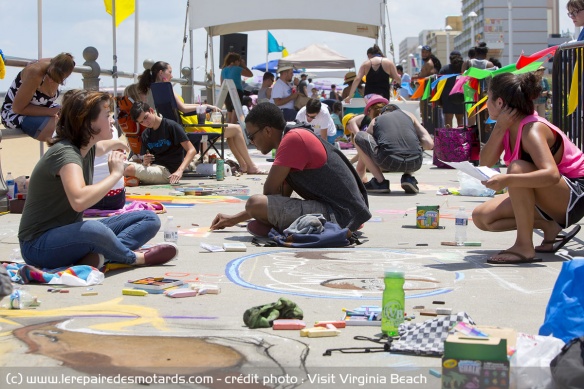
column 78, row 275
column 131, row 207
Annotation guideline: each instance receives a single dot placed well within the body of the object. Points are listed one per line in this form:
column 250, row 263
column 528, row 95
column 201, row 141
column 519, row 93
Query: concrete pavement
column 204, row 336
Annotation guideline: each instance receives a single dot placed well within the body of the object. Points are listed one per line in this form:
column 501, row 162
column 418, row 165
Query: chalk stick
column 444, row 311
column 89, row 294
column 134, row 292
column 288, row 324
column 472, row 243
column 336, row 323
column 318, row 332
column 435, row 373
column 448, row 243
column 428, row 312
column 438, row 302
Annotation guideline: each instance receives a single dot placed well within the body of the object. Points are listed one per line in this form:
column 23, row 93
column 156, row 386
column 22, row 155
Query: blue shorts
column 33, row 125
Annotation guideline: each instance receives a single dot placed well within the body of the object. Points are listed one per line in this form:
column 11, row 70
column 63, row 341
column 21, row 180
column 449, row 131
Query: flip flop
column 519, row 259
column 560, row 240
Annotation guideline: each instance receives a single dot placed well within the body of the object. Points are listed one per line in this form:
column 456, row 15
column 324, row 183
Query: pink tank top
column 572, row 163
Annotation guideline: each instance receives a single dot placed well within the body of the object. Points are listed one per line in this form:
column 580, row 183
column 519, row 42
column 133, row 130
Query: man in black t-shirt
column 166, row 150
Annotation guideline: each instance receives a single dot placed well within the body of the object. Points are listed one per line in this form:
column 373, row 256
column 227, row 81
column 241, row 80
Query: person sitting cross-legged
column 393, row 142
column 166, row 150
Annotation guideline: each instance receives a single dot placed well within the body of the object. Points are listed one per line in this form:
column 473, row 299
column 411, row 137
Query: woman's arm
column 390, row 69
column 185, row 108
column 82, row 196
column 491, row 152
column 105, row 146
column 32, row 77
column 362, row 71
column 354, row 123
column 245, row 70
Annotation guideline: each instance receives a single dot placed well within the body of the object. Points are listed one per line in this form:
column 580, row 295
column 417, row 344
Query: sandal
column 519, row 259
column 560, row 241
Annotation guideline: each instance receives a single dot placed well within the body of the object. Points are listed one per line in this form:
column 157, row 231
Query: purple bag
column 455, row 145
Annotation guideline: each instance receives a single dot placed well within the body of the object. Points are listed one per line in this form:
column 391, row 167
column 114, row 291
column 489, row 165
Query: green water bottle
column 393, row 302
column 220, row 170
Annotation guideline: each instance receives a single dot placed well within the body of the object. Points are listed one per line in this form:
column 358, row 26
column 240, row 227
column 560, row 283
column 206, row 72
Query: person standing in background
column 233, row 68
column 378, row 70
column 540, row 102
column 404, row 92
column 334, row 94
column 265, row 92
column 282, row 94
column 450, row 107
column 575, row 8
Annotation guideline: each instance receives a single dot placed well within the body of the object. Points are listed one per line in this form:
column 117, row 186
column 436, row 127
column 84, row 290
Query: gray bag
column 568, row 366
column 5, row 282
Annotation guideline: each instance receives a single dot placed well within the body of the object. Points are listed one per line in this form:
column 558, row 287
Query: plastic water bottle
column 393, row 302
column 170, row 230
column 11, row 186
column 461, row 225
column 220, row 171
column 21, row 299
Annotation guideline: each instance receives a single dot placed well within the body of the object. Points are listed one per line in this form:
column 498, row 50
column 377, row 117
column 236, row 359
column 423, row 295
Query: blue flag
column 273, row 46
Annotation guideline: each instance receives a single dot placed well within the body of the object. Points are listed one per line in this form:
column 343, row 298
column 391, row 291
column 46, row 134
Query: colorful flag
column 284, row 52
column 124, row 8
column 273, row 46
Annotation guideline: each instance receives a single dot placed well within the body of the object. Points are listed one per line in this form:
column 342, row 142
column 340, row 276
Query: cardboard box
column 477, row 363
column 428, row 216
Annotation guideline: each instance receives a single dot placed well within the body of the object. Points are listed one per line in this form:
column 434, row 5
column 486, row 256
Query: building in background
column 532, row 22
column 409, row 54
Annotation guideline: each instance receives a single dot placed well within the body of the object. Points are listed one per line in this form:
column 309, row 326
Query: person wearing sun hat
column 348, row 80
column 282, row 93
column 393, row 142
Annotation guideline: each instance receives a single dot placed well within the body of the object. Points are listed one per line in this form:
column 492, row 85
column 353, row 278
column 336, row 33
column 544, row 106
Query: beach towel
column 131, row 207
column 78, row 275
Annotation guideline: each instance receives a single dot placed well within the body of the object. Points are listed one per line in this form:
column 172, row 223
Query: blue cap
column 427, row 48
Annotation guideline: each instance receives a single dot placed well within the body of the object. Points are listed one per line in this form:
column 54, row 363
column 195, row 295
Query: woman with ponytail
column 545, row 173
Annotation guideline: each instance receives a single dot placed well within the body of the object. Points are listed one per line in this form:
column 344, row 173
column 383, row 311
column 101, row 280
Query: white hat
column 282, row 66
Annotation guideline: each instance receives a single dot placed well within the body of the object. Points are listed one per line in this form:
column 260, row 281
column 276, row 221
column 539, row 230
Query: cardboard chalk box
column 477, row 363
column 428, row 216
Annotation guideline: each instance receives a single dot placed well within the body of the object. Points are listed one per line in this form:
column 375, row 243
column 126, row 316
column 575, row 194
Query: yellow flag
column 573, row 95
column 439, row 90
column 284, row 52
column 124, row 8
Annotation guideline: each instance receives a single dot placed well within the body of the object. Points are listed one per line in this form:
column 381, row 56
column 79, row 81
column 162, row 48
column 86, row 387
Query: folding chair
column 165, row 105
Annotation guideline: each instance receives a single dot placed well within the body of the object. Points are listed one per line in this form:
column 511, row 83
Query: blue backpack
column 332, row 236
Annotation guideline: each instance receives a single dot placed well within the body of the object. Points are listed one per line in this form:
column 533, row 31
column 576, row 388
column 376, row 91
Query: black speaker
column 233, row 43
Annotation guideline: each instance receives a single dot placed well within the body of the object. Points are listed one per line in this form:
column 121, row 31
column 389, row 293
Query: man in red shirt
column 320, row 174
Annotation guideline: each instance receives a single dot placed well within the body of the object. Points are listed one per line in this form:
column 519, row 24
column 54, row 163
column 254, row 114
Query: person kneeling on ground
column 393, row 142
column 163, row 141
column 319, row 118
column 305, row 164
column 52, row 232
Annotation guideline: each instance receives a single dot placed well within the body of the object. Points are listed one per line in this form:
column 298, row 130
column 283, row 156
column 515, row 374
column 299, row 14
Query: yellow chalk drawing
column 137, row 314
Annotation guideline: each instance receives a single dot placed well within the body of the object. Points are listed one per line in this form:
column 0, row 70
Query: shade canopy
column 319, row 56
column 362, row 19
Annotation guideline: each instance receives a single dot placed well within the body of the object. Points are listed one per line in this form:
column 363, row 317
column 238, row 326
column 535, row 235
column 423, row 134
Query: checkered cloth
column 427, row 338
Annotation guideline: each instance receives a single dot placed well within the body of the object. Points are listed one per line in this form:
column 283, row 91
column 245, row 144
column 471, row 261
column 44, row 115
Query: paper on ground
column 482, row 173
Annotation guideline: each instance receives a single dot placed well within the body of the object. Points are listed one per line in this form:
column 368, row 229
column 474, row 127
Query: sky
column 72, row 25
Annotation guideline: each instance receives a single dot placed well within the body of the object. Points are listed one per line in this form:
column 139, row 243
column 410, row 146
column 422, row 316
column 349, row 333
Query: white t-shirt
column 282, row 90
column 101, row 167
column 322, row 120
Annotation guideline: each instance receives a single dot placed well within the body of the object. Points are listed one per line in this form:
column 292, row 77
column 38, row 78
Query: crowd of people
column 86, row 161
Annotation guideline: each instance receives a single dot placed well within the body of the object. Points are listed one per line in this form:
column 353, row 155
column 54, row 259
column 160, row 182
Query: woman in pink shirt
column 544, row 175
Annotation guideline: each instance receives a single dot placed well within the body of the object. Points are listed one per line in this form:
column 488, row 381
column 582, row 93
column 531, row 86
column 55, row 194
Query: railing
column 568, row 62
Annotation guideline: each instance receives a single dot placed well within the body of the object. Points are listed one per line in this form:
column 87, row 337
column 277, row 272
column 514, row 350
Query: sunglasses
column 251, row 136
column 573, row 14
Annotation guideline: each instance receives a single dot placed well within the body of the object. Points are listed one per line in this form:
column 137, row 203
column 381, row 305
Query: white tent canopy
column 319, row 56
column 220, row 17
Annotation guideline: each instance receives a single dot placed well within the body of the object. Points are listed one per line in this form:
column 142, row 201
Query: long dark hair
column 149, row 76
column 516, row 90
column 80, row 108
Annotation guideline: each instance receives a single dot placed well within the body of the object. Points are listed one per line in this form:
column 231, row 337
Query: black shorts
column 229, row 103
column 575, row 210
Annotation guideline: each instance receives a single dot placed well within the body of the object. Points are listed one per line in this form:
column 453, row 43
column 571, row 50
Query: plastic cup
column 201, row 114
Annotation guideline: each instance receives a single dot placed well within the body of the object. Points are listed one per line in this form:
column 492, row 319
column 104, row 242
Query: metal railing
column 568, row 63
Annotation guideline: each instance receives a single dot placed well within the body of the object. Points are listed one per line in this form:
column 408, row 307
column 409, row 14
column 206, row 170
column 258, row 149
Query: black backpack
column 568, row 366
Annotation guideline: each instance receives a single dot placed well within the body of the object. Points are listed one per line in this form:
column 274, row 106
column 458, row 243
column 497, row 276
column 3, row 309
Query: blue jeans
column 115, row 237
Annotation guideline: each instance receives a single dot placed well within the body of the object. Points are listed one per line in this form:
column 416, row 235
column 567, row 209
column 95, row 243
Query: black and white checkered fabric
column 427, row 338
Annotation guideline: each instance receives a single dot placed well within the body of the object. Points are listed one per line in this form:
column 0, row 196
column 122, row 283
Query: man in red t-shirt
column 318, row 173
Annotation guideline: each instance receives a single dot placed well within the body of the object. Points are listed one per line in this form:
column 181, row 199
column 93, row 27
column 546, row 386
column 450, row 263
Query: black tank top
column 377, row 82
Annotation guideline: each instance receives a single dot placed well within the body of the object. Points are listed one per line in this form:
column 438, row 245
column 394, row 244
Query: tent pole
column 115, row 57
column 267, row 48
column 382, row 15
column 136, row 39
column 210, row 37
column 40, row 47
column 192, row 61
